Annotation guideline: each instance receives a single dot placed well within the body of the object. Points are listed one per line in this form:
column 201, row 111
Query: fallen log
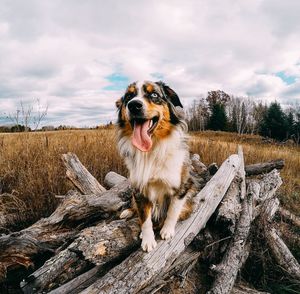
column 99, row 245
column 242, row 289
column 21, row 251
column 111, row 179
column 290, row 217
column 239, row 248
column 139, row 268
column 230, row 207
column 280, row 251
column 264, row 167
column 80, row 176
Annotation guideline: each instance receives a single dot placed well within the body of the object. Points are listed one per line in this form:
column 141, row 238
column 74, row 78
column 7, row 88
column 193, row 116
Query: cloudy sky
column 78, row 56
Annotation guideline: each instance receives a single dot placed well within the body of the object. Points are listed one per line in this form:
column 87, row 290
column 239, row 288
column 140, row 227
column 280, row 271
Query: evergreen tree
column 274, row 123
column 216, row 103
column 290, row 125
column 218, row 118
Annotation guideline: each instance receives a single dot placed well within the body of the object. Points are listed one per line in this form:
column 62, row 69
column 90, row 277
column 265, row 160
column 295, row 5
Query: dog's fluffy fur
column 153, row 141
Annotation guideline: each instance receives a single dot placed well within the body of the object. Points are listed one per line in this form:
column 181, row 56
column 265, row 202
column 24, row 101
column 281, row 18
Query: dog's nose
column 135, row 106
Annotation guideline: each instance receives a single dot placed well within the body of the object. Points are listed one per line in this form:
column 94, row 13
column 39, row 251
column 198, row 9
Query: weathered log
column 264, row 167
column 280, row 251
column 55, row 271
column 80, row 176
column 139, row 268
column 50, row 233
column 230, row 207
column 242, row 173
column 111, row 179
column 180, row 267
column 290, row 217
column 99, row 245
column 238, row 250
column 199, row 167
column 242, row 289
column 81, row 282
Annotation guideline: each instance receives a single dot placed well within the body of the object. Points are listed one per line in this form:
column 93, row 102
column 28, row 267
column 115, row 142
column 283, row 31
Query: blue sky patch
column 157, row 75
column 117, row 82
column 286, row 78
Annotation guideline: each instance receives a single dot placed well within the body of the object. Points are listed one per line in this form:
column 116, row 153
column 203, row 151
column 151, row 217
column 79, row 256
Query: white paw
column 127, row 213
column 148, row 242
column 167, row 232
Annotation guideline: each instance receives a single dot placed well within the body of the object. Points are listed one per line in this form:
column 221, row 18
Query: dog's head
column 148, row 110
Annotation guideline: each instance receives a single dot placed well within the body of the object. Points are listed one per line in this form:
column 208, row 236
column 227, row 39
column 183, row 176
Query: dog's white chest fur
column 158, row 172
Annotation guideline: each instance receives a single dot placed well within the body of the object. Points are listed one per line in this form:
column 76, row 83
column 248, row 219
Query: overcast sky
column 78, row 56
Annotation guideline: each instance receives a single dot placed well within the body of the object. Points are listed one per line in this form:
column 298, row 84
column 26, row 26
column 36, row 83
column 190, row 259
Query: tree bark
column 287, row 215
column 264, row 167
column 111, row 179
column 80, row 176
column 238, row 250
column 99, row 245
column 281, row 253
column 139, row 268
column 40, row 240
column 230, row 207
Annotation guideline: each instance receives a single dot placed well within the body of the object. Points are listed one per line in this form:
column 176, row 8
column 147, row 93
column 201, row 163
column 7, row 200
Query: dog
column 152, row 139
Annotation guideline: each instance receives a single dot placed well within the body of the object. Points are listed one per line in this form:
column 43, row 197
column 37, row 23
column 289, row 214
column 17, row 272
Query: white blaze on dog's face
column 146, row 112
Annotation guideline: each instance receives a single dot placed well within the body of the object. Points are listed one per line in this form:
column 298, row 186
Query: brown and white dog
column 153, row 141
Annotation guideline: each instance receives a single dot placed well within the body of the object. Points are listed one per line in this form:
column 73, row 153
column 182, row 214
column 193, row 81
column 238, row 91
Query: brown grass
column 31, row 168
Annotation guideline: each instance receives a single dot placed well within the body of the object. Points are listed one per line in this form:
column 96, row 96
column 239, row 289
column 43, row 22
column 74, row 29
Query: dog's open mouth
column 142, row 132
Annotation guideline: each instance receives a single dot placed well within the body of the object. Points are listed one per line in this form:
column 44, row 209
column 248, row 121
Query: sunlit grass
column 31, row 167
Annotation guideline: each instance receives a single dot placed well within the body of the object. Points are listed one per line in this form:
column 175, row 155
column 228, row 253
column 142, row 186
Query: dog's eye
column 154, row 95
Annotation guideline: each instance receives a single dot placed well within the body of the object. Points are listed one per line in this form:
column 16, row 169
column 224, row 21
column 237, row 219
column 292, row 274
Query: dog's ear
column 170, row 94
column 119, row 103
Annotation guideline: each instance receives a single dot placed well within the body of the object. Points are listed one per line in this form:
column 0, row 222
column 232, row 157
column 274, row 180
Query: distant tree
column 197, row 115
column 217, row 101
column 257, row 117
column 218, row 119
column 290, row 124
column 274, row 123
column 30, row 114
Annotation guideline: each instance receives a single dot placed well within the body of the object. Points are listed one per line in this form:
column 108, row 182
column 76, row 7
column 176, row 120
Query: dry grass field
column 32, row 171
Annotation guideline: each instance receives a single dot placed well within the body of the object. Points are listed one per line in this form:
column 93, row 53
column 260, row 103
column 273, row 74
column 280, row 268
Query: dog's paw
column 167, row 232
column 127, row 213
column 148, row 242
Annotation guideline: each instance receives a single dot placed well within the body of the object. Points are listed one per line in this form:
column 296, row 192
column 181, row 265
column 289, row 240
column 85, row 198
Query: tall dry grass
column 31, row 167
column 217, row 146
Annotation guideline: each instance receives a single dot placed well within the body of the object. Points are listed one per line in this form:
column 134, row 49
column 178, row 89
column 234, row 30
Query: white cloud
column 63, row 51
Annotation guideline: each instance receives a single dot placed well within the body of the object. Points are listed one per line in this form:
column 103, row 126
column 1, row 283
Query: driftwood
column 280, row 251
column 238, row 250
column 80, row 176
column 111, row 179
column 22, row 250
column 265, row 167
column 230, row 207
column 140, row 268
column 288, row 216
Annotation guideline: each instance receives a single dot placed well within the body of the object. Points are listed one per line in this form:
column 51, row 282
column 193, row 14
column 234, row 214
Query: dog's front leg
column 176, row 205
column 144, row 208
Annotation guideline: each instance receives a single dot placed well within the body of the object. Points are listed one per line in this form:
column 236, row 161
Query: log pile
column 84, row 247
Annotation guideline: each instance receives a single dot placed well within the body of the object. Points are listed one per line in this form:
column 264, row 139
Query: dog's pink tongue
column 140, row 138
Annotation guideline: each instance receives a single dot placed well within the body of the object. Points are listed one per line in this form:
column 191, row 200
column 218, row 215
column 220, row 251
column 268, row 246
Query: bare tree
column 28, row 115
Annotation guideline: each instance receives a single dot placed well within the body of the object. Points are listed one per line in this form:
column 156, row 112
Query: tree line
column 219, row 111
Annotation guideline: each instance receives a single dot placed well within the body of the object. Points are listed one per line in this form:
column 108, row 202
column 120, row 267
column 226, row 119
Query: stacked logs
column 83, row 247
